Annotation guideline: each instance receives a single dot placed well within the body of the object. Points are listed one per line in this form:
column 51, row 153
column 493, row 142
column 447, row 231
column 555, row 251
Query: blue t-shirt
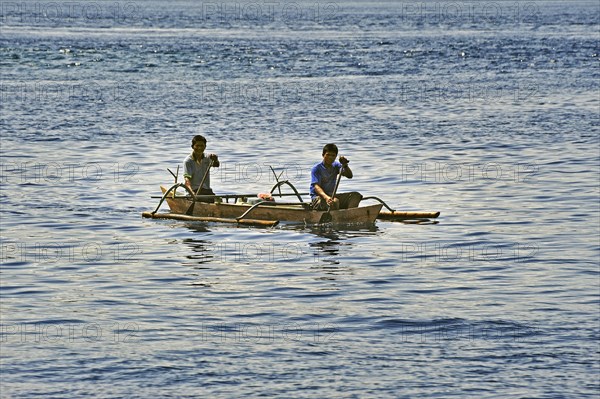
column 324, row 177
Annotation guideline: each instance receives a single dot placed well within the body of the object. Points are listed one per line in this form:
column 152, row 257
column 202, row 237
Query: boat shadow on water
column 327, row 249
column 334, row 244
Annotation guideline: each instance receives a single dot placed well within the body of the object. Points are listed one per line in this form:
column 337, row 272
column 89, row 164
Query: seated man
column 323, row 177
column 195, row 168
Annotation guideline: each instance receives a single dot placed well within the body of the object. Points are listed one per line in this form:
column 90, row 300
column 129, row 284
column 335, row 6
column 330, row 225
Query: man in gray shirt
column 195, row 167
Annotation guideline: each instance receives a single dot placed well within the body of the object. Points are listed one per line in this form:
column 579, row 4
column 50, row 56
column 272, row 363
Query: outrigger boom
column 187, row 218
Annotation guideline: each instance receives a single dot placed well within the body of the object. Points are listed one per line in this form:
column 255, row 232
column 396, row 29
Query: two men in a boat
column 196, row 168
column 323, row 176
column 323, row 179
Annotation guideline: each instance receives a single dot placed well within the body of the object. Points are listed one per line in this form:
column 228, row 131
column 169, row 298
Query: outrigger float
column 250, row 209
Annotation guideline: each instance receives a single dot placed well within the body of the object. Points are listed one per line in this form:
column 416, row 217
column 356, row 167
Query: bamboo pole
column 407, row 215
column 187, row 218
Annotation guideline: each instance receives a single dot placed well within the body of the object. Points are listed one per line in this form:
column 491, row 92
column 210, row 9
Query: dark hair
column 330, row 148
column 197, row 139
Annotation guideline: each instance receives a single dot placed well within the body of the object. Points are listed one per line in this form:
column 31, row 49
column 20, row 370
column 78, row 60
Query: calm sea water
column 485, row 111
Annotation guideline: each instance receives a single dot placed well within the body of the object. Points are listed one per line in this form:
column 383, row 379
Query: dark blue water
column 485, row 111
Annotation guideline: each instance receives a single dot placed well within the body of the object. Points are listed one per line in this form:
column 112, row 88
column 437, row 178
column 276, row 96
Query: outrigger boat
column 267, row 212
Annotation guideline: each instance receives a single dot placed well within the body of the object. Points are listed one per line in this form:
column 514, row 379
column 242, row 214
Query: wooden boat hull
column 284, row 213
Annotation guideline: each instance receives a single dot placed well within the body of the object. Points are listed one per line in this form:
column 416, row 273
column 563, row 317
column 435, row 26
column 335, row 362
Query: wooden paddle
column 190, row 210
column 326, row 217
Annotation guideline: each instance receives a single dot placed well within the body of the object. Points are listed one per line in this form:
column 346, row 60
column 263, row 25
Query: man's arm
column 187, row 173
column 321, row 193
column 346, row 171
column 188, row 184
column 215, row 160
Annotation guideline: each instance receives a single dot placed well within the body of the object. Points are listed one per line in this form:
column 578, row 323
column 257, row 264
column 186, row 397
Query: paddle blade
column 326, row 217
column 190, row 210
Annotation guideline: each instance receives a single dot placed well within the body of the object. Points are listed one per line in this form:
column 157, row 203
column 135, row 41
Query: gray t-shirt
column 195, row 171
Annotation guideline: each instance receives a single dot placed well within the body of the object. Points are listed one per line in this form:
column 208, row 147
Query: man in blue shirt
column 323, row 177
